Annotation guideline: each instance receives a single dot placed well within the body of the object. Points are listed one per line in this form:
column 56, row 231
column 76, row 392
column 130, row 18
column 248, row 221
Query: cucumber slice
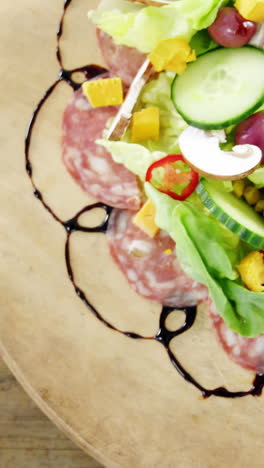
column 233, row 212
column 221, row 88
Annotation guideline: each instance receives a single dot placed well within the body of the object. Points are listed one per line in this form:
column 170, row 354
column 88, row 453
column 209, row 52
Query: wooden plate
column 119, row 399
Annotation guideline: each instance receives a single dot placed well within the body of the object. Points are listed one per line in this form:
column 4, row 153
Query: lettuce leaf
column 143, row 27
column 202, row 42
column 134, row 157
column 156, row 93
column 247, row 304
column 138, row 157
column 213, row 262
column 257, row 177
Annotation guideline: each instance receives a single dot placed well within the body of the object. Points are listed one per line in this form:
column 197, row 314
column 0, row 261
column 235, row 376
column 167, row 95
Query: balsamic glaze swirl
column 163, row 335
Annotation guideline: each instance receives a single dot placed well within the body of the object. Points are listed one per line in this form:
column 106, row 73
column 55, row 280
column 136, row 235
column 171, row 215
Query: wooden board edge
column 50, row 413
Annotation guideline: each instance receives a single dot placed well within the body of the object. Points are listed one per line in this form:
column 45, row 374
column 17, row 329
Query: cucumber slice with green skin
column 221, row 88
column 233, row 212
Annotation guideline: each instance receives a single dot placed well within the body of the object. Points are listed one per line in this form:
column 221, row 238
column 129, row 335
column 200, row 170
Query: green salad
column 208, row 88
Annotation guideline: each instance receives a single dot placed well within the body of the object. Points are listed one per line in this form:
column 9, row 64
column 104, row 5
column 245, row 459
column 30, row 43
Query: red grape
column 230, row 29
column 251, row 131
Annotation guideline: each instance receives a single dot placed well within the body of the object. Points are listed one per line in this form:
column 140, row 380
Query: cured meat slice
column 90, row 164
column 247, row 352
column 122, row 61
column 150, row 264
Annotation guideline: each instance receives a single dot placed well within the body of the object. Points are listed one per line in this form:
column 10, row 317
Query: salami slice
column 150, row 264
column 91, row 165
column 122, row 61
column 247, row 352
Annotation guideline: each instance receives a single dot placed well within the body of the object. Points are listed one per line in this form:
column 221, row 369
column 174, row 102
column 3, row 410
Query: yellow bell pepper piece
column 251, row 270
column 145, row 124
column 252, row 10
column 145, row 219
column 104, row 92
column 172, row 54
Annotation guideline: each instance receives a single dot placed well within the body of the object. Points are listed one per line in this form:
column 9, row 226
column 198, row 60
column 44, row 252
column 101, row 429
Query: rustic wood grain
column 119, row 399
column 27, row 438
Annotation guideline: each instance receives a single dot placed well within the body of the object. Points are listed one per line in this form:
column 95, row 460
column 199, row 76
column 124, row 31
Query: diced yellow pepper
column 145, row 219
column 172, row 54
column 251, row 270
column 252, row 10
column 145, row 124
column 104, row 92
column 168, row 252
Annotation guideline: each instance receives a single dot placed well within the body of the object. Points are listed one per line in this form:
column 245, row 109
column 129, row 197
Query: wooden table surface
column 27, row 438
column 121, row 399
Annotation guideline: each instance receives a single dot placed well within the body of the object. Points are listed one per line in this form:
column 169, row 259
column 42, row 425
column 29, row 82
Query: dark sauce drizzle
column 163, row 336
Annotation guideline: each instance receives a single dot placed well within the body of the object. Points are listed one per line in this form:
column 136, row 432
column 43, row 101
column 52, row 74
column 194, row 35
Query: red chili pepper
column 173, row 176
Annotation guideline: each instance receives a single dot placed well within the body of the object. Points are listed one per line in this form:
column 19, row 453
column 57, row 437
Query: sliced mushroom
column 258, row 39
column 201, row 150
column 122, row 118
